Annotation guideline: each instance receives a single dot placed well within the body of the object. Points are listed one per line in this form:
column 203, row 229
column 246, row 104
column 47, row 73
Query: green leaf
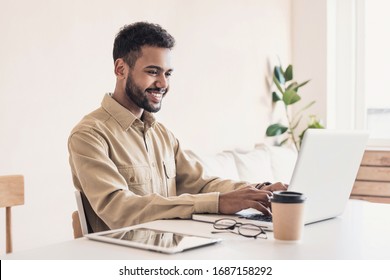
column 292, row 86
column 290, row 97
column 278, row 73
column 276, row 129
column 295, row 86
column 314, row 122
column 284, row 141
column 289, row 73
column 301, row 137
column 278, row 85
column 275, row 97
column 302, row 84
column 307, row 106
column 315, row 125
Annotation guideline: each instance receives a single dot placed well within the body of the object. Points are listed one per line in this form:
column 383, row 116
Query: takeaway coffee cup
column 288, row 215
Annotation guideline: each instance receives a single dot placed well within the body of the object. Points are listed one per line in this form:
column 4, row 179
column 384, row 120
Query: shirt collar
column 123, row 116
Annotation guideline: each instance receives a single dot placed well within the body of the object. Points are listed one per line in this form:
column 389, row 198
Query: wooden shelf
column 373, row 178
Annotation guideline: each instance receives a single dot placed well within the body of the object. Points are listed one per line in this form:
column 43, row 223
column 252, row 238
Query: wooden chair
column 11, row 194
column 79, row 219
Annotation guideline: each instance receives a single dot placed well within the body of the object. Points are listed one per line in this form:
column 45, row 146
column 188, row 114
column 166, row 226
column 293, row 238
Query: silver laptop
column 325, row 172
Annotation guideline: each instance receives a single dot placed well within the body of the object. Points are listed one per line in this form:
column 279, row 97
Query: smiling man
column 129, row 167
column 147, row 81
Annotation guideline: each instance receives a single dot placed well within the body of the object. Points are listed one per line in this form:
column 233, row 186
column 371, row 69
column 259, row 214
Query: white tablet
column 152, row 239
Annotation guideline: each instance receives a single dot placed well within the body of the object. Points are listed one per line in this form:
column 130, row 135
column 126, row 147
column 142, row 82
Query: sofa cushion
column 254, row 166
column 282, row 161
column 263, row 163
column 221, row 164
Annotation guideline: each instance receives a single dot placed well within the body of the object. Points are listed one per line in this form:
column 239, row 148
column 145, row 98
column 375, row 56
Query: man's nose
column 162, row 81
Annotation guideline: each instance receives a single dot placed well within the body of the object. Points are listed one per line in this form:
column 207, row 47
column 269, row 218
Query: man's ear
column 120, row 68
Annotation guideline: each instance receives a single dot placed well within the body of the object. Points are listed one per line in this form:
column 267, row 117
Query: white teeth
column 157, row 95
column 154, row 92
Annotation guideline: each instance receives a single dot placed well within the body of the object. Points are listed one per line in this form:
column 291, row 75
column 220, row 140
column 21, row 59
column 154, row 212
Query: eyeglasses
column 247, row 230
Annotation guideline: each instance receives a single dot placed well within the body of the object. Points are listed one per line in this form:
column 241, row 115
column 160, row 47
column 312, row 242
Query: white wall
column 310, row 55
column 56, row 65
column 323, row 50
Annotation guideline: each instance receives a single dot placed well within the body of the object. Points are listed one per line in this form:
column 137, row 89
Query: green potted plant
column 287, row 92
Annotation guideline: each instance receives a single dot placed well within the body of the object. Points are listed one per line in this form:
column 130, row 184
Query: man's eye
column 168, row 74
column 152, row 72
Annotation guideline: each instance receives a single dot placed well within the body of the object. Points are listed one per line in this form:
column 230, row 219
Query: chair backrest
column 77, row 232
column 80, row 223
column 11, row 194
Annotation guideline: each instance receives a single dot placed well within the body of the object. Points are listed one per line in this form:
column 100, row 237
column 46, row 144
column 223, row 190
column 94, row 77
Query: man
column 129, row 167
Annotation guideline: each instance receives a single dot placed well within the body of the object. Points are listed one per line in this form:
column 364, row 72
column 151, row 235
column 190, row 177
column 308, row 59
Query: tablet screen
column 158, row 240
column 150, row 237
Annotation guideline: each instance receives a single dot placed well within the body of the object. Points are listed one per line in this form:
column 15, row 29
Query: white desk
column 362, row 232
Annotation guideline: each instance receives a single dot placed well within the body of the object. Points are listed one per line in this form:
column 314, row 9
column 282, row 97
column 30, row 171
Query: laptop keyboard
column 258, row 217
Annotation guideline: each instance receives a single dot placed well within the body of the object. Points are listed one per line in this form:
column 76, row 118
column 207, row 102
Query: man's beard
column 139, row 97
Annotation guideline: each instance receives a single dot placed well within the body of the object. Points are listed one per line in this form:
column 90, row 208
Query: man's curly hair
column 132, row 37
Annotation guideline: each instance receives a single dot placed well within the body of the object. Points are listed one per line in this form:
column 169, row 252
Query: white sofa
column 263, row 163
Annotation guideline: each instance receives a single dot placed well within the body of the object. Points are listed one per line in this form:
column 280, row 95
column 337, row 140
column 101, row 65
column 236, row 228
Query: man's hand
column 278, row 186
column 247, row 197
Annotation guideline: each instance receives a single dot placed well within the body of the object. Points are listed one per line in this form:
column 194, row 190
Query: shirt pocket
column 138, row 178
column 170, row 176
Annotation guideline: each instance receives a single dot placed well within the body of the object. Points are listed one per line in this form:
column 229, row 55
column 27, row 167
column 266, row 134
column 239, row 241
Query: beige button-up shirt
column 133, row 171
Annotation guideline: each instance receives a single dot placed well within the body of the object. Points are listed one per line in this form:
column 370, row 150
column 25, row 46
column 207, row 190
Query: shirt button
column 132, row 179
